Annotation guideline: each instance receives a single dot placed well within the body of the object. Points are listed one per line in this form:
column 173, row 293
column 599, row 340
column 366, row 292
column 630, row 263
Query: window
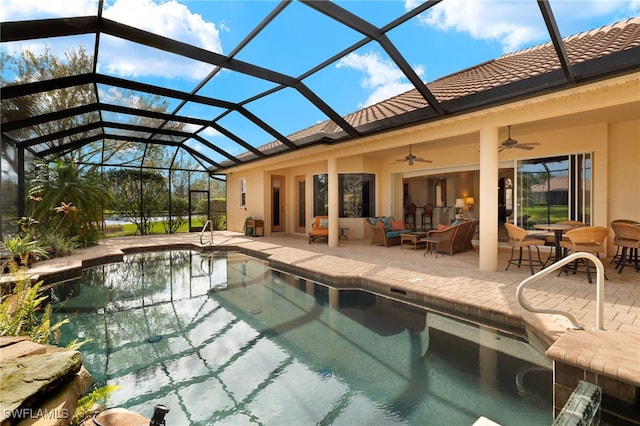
column 243, row 193
column 554, row 189
column 356, row 194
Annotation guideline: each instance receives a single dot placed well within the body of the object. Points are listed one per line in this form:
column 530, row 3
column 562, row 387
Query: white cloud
column 516, row 24
column 170, row 19
column 381, row 76
column 21, row 10
column 508, row 23
column 167, row 18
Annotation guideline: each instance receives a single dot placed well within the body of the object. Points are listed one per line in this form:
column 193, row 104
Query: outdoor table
column 342, row 235
column 412, row 239
column 430, row 244
column 558, row 229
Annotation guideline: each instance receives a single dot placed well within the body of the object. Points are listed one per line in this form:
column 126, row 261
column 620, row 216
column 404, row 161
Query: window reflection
column 554, row 189
column 356, row 194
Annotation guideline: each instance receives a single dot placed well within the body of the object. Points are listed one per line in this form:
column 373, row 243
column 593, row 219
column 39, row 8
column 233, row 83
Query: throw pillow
column 380, row 224
column 324, row 223
column 397, row 225
column 457, row 222
column 442, row 227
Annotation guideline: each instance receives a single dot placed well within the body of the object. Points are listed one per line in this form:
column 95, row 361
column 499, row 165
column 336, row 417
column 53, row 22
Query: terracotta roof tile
column 508, row 68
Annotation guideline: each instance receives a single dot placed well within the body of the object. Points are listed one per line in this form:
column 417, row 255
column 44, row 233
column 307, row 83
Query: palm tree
column 63, row 183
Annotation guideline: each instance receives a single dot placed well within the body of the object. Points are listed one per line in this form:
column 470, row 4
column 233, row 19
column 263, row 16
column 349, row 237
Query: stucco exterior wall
column 595, row 119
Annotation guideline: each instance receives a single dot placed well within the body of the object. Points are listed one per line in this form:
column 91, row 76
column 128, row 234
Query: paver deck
column 454, row 282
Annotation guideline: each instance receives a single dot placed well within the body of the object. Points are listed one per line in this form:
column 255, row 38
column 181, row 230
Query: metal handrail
column 554, row 267
column 204, row 229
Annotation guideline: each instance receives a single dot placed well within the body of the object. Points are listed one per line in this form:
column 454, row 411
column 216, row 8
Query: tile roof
column 509, row 68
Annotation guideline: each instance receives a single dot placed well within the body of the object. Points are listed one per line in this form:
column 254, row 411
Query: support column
column 332, row 175
column 489, row 199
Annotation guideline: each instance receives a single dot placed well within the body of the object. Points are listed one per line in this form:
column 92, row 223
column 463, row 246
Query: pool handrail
column 554, row 267
column 204, row 229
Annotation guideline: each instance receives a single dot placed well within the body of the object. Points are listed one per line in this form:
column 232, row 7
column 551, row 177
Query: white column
column 488, row 199
column 332, row 175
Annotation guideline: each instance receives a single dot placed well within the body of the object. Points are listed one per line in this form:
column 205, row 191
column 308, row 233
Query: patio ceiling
column 106, row 122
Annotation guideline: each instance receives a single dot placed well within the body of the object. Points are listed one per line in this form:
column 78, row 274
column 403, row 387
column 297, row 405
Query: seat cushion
column 391, row 234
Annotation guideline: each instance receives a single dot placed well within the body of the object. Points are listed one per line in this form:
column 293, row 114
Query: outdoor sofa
column 386, row 231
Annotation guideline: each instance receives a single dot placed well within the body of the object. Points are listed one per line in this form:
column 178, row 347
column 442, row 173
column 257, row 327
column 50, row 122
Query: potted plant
column 25, row 246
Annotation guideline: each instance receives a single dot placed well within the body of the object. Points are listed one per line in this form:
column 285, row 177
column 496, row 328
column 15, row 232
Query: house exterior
column 592, row 125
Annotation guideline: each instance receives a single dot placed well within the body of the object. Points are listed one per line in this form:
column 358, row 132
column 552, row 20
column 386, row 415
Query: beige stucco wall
column 601, row 118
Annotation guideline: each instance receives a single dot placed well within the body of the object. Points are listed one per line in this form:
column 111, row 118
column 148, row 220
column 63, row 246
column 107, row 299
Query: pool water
column 220, row 338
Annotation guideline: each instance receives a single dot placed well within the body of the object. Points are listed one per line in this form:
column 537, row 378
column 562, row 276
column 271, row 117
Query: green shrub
column 21, row 313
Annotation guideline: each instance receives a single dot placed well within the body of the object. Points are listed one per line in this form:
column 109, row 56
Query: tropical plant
column 93, row 401
column 79, row 195
column 25, row 246
column 61, row 245
column 21, row 313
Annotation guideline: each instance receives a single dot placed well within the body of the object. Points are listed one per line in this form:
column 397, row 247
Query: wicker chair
column 589, row 239
column 454, row 239
column 519, row 238
column 627, row 240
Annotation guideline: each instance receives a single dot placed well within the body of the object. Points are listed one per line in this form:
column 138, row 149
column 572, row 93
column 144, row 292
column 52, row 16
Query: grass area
column 128, row 229
column 538, row 213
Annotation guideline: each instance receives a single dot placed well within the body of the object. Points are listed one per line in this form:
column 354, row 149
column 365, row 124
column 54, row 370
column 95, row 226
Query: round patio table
column 558, row 229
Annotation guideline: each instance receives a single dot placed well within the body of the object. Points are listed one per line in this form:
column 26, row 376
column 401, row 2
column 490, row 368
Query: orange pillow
column 380, row 224
column 397, row 225
column 442, row 227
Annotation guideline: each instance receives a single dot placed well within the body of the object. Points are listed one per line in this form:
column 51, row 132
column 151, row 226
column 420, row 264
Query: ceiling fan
column 410, row 158
column 512, row 143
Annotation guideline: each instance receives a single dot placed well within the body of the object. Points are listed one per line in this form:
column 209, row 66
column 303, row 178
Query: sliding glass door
column 552, row 189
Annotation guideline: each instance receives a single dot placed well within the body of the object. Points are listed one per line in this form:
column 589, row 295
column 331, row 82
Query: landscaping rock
column 27, row 382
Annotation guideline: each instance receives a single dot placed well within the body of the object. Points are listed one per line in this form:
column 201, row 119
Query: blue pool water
column 222, row 339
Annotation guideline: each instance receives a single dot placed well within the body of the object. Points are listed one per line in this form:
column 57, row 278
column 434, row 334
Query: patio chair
column 319, row 228
column 519, row 238
column 455, row 238
column 627, row 242
column 589, row 239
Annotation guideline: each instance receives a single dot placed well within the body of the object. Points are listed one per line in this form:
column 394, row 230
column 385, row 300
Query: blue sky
column 453, row 35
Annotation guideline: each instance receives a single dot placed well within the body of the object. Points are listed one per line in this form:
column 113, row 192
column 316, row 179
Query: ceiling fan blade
column 502, row 148
column 523, row 146
column 422, row 160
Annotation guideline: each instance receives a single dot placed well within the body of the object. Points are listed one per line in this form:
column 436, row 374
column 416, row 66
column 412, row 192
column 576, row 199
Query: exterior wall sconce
column 470, row 202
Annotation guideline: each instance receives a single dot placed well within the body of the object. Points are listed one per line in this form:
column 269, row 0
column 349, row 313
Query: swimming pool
column 220, row 338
